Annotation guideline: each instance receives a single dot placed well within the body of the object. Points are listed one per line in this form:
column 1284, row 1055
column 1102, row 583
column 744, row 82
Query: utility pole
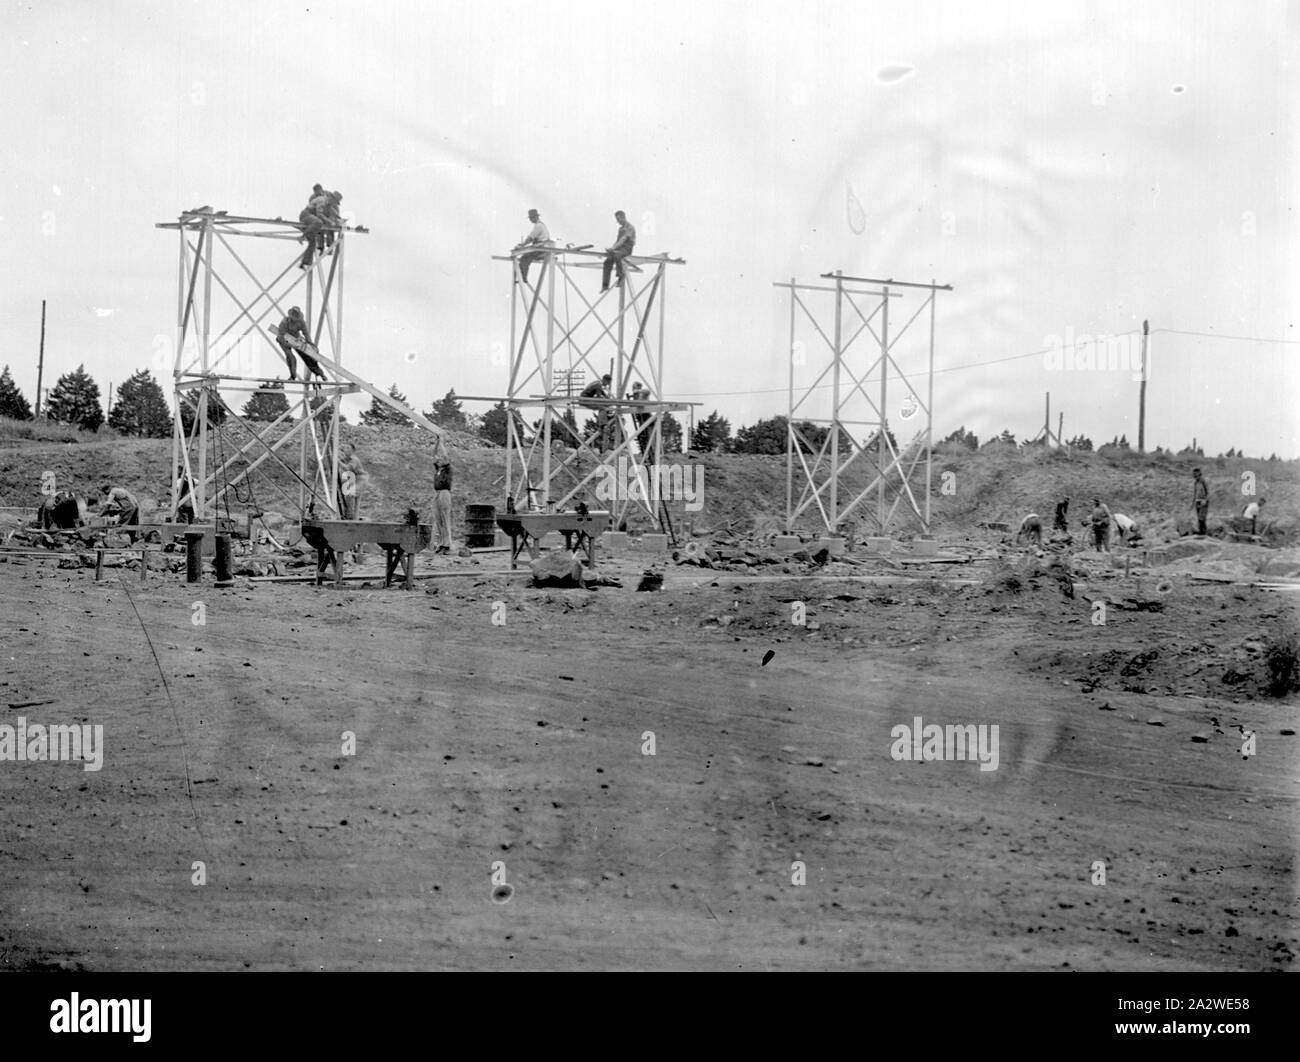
column 40, row 363
column 1142, row 393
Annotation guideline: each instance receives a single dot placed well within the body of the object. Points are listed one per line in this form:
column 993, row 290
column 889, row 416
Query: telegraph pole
column 1142, row 392
column 40, row 363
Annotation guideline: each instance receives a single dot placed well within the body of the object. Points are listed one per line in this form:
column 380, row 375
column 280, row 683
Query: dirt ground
column 524, row 743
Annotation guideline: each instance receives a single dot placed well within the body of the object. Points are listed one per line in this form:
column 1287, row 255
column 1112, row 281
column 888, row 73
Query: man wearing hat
column 295, row 325
column 1200, row 500
column 538, row 236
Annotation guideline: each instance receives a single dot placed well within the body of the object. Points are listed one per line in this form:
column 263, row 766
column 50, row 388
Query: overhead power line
column 989, row 361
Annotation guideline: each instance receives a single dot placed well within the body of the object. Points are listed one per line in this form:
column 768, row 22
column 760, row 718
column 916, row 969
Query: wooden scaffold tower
column 560, row 331
column 828, row 458
column 237, row 278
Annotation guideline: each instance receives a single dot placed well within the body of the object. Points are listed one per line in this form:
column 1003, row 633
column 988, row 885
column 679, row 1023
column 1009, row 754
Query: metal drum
column 480, row 526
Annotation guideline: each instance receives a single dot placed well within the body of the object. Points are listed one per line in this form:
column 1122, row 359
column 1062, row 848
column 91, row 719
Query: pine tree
column 317, row 403
column 496, row 423
column 712, row 433
column 670, row 434
column 216, row 411
column 966, row 438
column 268, row 404
column 764, row 437
column 12, row 402
column 141, row 409
column 447, row 413
column 75, row 400
column 569, row 436
column 382, row 413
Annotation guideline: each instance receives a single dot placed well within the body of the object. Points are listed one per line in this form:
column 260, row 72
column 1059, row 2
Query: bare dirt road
column 524, row 743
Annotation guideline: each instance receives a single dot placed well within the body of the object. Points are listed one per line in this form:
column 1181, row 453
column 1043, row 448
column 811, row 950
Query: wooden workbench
column 528, row 529
column 400, row 542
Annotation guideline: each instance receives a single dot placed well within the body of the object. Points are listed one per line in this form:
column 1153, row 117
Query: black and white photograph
column 677, row 487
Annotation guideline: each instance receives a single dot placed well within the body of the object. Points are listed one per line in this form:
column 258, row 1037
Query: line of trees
column 141, row 410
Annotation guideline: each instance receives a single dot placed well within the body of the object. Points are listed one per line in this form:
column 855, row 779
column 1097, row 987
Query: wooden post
column 1142, row 392
column 40, row 363
column 99, row 565
column 193, row 556
column 144, row 562
column 222, row 562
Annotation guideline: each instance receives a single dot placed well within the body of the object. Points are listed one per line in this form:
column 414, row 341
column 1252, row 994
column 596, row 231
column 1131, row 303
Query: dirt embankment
column 742, row 492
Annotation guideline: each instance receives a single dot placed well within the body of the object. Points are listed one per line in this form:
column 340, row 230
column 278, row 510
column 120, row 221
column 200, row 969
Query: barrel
column 480, row 526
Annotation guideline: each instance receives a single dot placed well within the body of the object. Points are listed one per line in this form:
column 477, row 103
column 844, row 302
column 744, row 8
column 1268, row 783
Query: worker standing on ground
column 623, row 245
column 120, row 501
column 598, row 389
column 442, row 500
column 538, row 236
column 350, row 473
column 1200, row 500
column 59, row 511
column 1031, row 530
column 1059, row 520
column 1100, row 521
column 1251, row 513
column 184, row 501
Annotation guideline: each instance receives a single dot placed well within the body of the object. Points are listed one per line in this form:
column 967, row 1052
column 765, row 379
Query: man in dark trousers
column 599, row 389
column 1100, row 521
column 121, row 501
column 623, row 245
column 1200, row 500
column 1058, row 521
column 296, row 325
column 640, row 418
column 538, row 236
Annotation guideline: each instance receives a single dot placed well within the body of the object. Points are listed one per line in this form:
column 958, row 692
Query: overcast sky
column 1069, row 168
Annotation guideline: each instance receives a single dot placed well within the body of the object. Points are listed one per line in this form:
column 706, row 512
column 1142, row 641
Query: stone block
column 655, row 542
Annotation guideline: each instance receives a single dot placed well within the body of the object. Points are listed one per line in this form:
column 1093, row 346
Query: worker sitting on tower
column 604, row 415
column 538, row 236
column 292, row 336
column 326, row 207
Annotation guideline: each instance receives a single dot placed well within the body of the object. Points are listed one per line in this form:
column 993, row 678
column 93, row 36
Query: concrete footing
column 655, row 542
column 613, row 540
column 833, row 543
column 925, row 547
column 879, row 545
column 787, row 542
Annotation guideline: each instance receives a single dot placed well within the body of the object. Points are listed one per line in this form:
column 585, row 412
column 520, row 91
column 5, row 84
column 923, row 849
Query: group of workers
column 540, row 236
column 320, row 220
column 1102, row 522
column 64, row 510
column 606, row 416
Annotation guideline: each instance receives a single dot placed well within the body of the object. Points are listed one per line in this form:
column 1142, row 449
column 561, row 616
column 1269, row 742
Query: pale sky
column 1069, row 168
